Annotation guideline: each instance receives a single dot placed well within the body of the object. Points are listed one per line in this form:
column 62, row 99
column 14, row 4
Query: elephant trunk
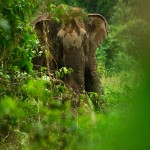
column 75, row 60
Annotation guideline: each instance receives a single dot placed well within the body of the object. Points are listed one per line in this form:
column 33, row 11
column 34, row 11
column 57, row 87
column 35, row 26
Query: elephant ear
column 46, row 29
column 98, row 29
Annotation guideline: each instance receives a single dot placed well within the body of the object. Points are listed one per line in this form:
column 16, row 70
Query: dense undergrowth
column 37, row 114
column 40, row 112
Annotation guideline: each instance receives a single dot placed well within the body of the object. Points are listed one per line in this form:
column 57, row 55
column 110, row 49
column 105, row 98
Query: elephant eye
column 90, row 20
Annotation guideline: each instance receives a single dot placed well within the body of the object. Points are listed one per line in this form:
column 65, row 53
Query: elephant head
column 72, row 40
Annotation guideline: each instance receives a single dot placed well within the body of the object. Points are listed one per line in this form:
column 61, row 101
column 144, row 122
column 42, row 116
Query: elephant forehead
column 71, row 39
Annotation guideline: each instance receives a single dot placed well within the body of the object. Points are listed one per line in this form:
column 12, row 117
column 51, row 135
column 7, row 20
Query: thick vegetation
column 39, row 112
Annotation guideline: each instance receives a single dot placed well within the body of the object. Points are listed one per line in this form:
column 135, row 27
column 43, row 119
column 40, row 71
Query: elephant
column 72, row 43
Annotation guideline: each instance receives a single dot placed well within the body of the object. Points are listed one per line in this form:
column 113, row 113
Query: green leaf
column 65, row 70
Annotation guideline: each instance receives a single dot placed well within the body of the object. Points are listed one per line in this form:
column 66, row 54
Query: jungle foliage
column 39, row 112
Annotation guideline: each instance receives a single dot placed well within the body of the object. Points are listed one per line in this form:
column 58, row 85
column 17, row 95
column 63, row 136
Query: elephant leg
column 92, row 80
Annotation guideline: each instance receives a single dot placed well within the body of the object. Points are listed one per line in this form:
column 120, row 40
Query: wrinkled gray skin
column 73, row 44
